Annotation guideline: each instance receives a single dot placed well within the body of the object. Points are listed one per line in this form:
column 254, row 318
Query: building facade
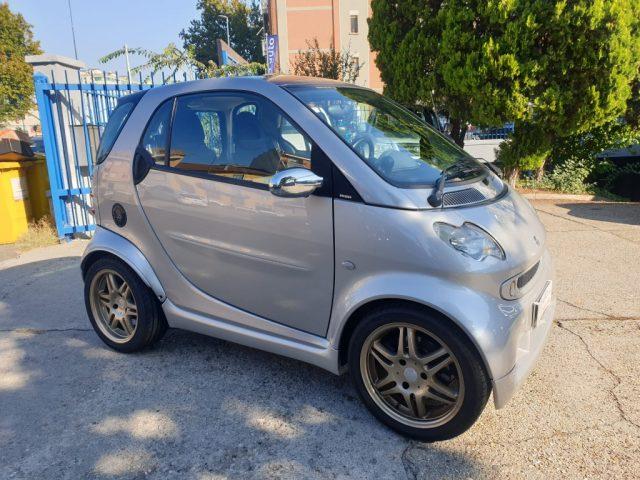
column 342, row 23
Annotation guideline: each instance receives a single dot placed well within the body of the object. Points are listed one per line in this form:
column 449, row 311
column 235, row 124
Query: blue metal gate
column 73, row 116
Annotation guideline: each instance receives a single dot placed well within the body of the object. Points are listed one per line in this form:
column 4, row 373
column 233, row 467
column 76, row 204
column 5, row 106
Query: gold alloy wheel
column 113, row 306
column 412, row 375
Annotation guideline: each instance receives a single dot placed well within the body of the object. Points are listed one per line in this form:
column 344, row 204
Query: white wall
column 357, row 44
column 483, row 148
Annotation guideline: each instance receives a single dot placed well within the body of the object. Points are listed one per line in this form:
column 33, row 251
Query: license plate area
column 541, row 304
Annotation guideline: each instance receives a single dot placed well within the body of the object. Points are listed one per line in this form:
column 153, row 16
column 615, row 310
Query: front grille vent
column 527, row 276
column 517, row 286
column 462, row 197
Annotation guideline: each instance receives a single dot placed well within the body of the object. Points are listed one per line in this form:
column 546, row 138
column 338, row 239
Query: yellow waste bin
column 38, row 183
column 15, row 208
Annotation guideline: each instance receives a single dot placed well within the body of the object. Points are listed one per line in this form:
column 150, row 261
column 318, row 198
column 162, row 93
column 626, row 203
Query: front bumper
column 526, row 341
column 531, row 345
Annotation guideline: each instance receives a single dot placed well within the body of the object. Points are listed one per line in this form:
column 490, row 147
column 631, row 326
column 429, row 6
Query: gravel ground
column 200, row 408
column 7, row 252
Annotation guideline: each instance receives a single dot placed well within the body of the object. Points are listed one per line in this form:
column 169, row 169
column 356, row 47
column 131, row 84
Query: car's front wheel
column 122, row 309
column 416, row 373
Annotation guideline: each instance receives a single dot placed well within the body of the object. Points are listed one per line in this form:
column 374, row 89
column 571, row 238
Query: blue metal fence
column 73, row 115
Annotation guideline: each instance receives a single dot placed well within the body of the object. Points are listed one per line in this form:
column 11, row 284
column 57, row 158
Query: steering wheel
column 363, row 144
column 387, row 161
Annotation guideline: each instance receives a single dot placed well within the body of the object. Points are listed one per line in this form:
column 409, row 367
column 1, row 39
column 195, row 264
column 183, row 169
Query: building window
column 354, row 23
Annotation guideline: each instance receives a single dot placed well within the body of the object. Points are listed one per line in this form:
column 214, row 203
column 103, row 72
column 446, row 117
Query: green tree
column 555, row 67
column 245, row 23
column 16, row 76
column 580, row 60
column 448, row 55
column 171, row 58
column 632, row 115
column 318, row 62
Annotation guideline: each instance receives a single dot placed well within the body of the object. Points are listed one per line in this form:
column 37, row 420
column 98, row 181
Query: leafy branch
column 171, row 58
column 240, row 70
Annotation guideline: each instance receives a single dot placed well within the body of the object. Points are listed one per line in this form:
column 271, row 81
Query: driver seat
column 252, row 146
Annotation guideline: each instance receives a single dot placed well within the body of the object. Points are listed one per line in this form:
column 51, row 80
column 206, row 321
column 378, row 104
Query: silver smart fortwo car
column 321, row 221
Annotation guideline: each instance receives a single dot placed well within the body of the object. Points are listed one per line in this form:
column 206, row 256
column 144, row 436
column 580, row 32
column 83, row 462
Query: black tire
column 477, row 385
column 151, row 322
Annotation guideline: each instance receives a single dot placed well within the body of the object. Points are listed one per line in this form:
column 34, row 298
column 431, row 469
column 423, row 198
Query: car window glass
column 233, row 135
column 399, row 146
column 295, row 138
column 112, row 130
column 248, row 107
column 155, row 139
column 191, row 147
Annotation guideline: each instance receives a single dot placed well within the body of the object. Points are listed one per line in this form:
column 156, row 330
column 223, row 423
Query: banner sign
column 272, row 53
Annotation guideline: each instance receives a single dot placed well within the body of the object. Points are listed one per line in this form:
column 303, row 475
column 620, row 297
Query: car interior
column 232, row 136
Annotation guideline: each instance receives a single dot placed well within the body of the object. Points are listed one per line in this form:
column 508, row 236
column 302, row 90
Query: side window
column 247, row 107
column 295, row 139
column 235, row 135
column 197, row 138
column 112, row 130
column 264, row 141
column 155, row 136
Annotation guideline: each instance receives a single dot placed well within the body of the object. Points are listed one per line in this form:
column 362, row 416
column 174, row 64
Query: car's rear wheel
column 416, row 373
column 122, row 309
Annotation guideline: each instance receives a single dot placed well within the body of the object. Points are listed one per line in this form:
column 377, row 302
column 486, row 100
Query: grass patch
column 531, row 186
column 547, row 183
column 39, row 234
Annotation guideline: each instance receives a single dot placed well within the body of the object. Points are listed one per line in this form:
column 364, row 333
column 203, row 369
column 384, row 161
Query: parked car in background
column 324, row 222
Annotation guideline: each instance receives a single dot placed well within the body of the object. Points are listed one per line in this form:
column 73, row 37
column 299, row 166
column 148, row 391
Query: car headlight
column 470, row 240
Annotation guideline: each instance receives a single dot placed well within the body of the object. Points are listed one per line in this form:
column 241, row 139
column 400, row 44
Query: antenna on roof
column 73, row 32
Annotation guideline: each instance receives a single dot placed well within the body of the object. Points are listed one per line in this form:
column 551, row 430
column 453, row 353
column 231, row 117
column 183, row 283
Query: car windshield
column 399, row 146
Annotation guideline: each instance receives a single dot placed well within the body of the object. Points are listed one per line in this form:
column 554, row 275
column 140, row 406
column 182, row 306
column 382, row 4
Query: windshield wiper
column 435, row 199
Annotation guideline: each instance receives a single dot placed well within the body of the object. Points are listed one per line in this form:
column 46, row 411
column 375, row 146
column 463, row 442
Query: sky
column 102, row 26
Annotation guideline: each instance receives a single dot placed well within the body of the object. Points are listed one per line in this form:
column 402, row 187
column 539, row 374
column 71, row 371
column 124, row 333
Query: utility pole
column 227, row 19
column 126, row 56
column 73, row 32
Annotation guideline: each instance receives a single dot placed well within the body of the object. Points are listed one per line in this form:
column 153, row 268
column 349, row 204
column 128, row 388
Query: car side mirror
column 294, row 182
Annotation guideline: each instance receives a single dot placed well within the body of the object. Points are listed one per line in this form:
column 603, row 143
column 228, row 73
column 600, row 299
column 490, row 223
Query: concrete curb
column 573, row 197
column 559, row 196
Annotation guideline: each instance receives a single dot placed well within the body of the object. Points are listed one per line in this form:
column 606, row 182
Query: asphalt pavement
column 199, row 408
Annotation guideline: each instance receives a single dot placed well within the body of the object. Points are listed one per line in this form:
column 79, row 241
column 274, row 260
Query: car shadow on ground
column 618, row 213
column 190, row 407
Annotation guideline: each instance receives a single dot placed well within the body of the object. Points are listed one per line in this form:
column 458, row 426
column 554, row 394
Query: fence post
column 41, row 83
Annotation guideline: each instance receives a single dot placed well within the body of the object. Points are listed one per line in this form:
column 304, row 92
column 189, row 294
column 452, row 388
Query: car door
column 208, row 202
